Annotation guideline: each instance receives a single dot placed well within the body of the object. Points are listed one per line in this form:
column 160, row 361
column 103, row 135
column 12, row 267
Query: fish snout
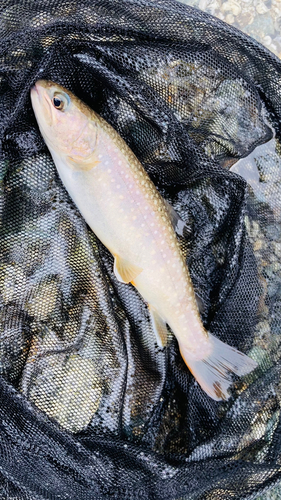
column 34, row 93
column 35, row 87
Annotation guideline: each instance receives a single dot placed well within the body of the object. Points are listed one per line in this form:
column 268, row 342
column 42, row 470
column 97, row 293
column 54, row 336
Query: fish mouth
column 36, row 96
column 34, row 91
column 35, row 88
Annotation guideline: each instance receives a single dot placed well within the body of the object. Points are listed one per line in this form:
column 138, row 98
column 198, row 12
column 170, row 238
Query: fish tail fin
column 214, row 373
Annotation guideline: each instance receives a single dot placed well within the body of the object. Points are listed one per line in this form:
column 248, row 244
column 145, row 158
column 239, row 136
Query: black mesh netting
column 90, row 408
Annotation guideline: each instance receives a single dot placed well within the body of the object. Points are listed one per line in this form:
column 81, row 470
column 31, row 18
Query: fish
column 123, row 207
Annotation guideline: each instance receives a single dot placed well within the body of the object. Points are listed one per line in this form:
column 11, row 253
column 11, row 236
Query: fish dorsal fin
column 124, row 270
column 159, row 327
column 181, row 228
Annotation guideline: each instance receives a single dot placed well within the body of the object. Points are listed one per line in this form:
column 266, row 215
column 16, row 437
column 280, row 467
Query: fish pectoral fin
column 80, row 163
column 124, row 270
column 159, row 327
column 181, row 227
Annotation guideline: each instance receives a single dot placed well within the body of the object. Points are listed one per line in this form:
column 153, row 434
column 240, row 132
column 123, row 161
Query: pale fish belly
column 124, row 209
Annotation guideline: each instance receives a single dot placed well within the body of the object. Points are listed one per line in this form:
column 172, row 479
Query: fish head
column 65, row 122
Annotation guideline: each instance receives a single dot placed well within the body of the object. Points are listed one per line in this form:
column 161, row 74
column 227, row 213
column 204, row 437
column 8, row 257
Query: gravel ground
column 261, row 20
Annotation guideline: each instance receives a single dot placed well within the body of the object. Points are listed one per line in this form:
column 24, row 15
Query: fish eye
column 57, row 103
column 60, row 102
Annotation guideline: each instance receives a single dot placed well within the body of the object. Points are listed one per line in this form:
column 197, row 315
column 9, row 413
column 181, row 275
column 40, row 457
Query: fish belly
column 127, row 214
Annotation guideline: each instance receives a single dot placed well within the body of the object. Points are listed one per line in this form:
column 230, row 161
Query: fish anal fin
column 124, row 270
column 180, row 227
column 214, row 373
column 159, row 327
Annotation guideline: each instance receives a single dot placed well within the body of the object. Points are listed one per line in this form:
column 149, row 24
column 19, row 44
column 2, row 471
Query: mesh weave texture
column 89, row 407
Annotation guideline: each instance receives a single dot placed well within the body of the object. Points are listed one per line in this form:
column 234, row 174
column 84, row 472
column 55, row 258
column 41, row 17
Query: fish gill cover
column 90, row 408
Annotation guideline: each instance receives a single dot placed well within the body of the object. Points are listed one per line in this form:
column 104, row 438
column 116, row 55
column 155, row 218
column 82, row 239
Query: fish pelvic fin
column 214, row 373
column 124, row 270
column 159, row 327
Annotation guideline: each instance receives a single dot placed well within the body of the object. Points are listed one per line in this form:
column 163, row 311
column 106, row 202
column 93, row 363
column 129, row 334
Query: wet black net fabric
column 90, row 407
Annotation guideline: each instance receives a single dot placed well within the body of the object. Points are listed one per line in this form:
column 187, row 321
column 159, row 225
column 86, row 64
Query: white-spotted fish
column 123, row 207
